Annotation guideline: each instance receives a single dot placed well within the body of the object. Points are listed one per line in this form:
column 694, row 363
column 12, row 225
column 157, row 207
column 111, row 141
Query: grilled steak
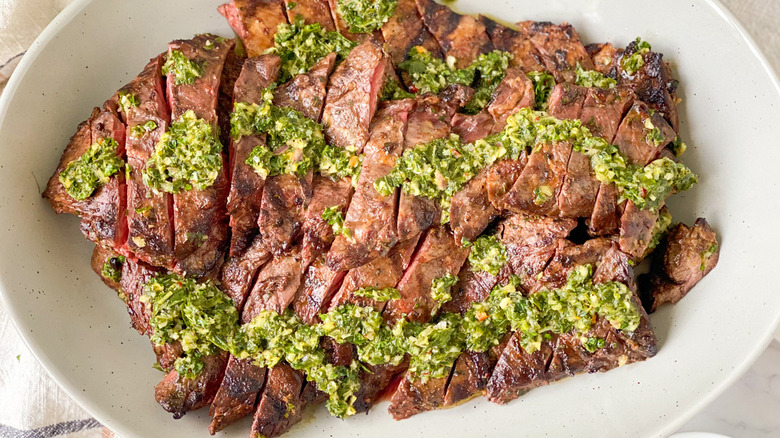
column 642, row 134
column 312, row 11
column 405, row 30
column 319, row 284
column 237, row 394
column 281, row 403
column 514, row 92
column 501, row 177
column 603, row 110
column 580, row 187
column 460, row 36
column 524, row 53
column 238, row 273
column 275, row 286
column 560, row 47
column 471, row 128
column 636, row 230
column 255, row 22
column 566, row 101
column 683, row 258
column 317, row 233
column 306, row 92
column 471, row 210
column 246, row 185
column 179, row 395
column 371, row 216
column 537, row 188
column 605, row 219
column 106, row 257
column 353, row 92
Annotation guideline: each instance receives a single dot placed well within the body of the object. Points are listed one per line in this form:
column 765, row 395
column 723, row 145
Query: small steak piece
column 652, row 82
column 604, row 109
column 239, row 271
column 643, row 134
column 374, row 380
column 514, row 92
column 255, row 22
column 501, row 177
column 312, row 11
column 471, row 210
column 460, row 36
column 281, row 404
column 439, row 254
column 580, row 187
column 537, row 189
column 405, row 30
column 105, row 258
column 517, row 371
column 200, row 216
column 275, row 286
column 179, row 395
column 604, row 58
column 413, row 396
column 605, row 219
column 566, row 101
column 353, row 92
column 471, row 128
column 282, row 209
column 237, row 395
column 306, row 92
column 382, row 272
column 472, row 287
column 318, row 285
column 560, row 47
column 469, row 378
column 149, row 214
column 682, row 259
column 317, row 233
column 568, row 255
column 636, row 230
column 525, row 55
column 246, row 186
column 371, row 216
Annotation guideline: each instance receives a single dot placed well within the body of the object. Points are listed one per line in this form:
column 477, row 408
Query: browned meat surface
column 525, row 55
column 501, row 177
column 653, row 83
column 282, row 210
column 179, row 395
column 312, row 11
column 239, row 271
column 471, row 128
column 55, row 192
column 566, row 101
column 471, row 210
column 306, row 92
column 149, row 214
column 255, row 22
column 353, row 92
column 382, row 272
column 318, row 285
column 560, row 47
column 469, row 378
column 682, row 259
column 514, row 92
column 237, row 394
column 413, row 397
column 537, row 189
column 246, row 185
column 460, row 36
column 603, row 110
column 317, row 233
column 102, row 256
column 642, row 134
column 200, row 216
column 373, row 381
column 438, row 255
column 636, row 230
column 275, row 286
column 517, row 371
column 568, row 255
column 371, row 216
column 405, row 30
column 281, row 403
column 604, row 58
column 472, row 287
column 605, row 219
column 580, row 187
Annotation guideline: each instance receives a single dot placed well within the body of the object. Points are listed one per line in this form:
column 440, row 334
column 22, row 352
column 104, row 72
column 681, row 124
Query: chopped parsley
column 141, row 130
column 392, row 90
column 112, row 268
column 188, row 156
column 302, row 45
column 593, row 78
column 487, row 254
column 184, row 70
column 635, row 59
column 376, row 294
column 544, row 83
column 126, row 101
column 659, row 229
column 335, row 218
column 93, row 169
column 366, row 16
column 490, row 70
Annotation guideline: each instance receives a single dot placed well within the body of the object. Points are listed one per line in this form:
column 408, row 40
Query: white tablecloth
column 32, row 405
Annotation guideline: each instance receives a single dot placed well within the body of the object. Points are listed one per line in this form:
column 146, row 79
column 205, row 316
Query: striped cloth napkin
column 31, row 404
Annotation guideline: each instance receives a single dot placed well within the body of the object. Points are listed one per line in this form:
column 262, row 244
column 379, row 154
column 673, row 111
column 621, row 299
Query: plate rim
column 70, row 12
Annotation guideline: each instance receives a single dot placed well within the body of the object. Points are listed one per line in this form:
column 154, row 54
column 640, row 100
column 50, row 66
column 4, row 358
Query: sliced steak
column 636, row 230
column 238, row 393
column 514, row 92
column 501, row 177
column 275, row 286
column 179, row 395
column 281, row 404
column 103, row 258
column 460, row 36
column 682, row 259
column 580, row 188
column 439, row 254
column 643, row 134
column 317, row 233
column 306, row 92
column 471, row 210
column 312, row 11
column 652, row 82
column 246, row 185
column 149, row 214
column 239, row 271
column 353, row 92
column 318, row 285
column 567, row 256
column 255, row 22
column 405, row 30
column 560, row 47
column 603, row 110
column 605, row 219
column 524, row 53
column 517, row 371
column 469, row 378
column 471, row 128
column 537, row 189
column 371, row 218
column 200, row 216
column 282, row 210
column 413, row 396
column 567, row 100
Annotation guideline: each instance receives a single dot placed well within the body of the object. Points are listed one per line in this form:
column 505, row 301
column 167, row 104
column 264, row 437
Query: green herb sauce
column 659, row 229
column 632, row 63
column 487, row 254
column 112, row 268
column 593, row 78
column 188, row 156
column 335, row 218
column 184, row 69
column 441, row 288
column 93, row 169
column 392, row 90
column 366, row 16
column 544, row 83
column 381, row 295
column 126, row 101
column 138, row 131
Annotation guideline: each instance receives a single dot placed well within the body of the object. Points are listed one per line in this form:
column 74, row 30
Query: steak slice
column 200, row 216
column 317, row 233
column 471, row 128
column 275, row 286
column 318, row 285
column 239, row 271
column 580, row 188
column 306, row 92
column 682, row 259
column 179, row 395
column 107, row 257
column 471, row 210
column 281, row 403
column 560, row 47
column 149, row 214
column 312, row 11
column 237, row 394
column 567, row 100
column 643, row 134
column 439, row 254
column 246, row 185
column 353, row 92
column 568, row 255
column 501, row 177
column 469, row 377
column 605, row 219
column 636, row 230
column 255, row 22
column 405, row 30
column 414, row 396
column 514, row 92
column 603, row 110
column 460, row 36
column 653, row 83
column 537, row 189
column 517, row 371
column 282, row 209
column 371, row 218
column 524, row 53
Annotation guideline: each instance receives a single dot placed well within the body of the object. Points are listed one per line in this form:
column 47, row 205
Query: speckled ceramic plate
column 730, row 110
